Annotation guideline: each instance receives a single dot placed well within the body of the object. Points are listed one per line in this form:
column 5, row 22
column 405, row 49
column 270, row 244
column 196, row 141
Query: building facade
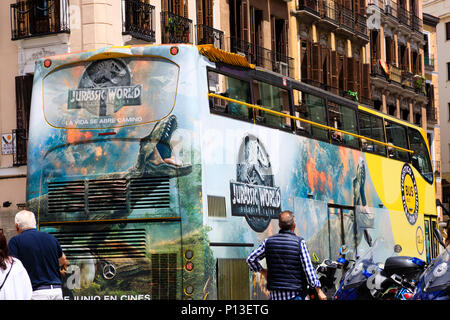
column 441, row 10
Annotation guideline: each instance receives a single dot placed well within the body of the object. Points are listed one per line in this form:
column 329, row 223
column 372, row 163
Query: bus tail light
column 174, row 51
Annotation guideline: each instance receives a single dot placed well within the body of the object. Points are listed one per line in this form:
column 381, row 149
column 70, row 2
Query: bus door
column 341, row 230
column 431, row 244
column 133, row 259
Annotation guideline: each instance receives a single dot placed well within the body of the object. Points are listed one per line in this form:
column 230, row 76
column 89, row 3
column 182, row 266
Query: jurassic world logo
column 410, row 197
column 104, row 88
column 253, row 194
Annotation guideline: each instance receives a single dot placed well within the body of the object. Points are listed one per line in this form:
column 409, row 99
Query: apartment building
column 441, row 10
column 432, row 89
column 396, row 51
column 329, row 41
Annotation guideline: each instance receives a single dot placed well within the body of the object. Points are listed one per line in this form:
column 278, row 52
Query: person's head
column 286, row 220
column 4, row 253
column 25, row 220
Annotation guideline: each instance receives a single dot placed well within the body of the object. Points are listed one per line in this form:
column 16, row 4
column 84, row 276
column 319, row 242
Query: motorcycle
column 369, row 279
column 434, row 282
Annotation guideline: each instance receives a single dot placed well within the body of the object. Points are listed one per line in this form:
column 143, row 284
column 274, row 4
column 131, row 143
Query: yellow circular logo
column 410, row 197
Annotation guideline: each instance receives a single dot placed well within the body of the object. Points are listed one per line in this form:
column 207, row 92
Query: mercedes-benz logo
column 109, row 271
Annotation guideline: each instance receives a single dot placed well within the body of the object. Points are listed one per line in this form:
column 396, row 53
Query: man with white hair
column 41, row 255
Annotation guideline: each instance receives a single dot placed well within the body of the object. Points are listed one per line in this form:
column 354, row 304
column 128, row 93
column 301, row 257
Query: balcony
column 361, row 27
column 395, row 74
column 429, row 62
column 209, row 35
column 329, row 13
column 307, row 11
column 175, row 28
column 138, row 20
column 403, row 16
column 407, row 79
column 377, row 70
column 416, row 23
column 308, row 5
column 263, row 57
column 346, row 21
column 32, row 18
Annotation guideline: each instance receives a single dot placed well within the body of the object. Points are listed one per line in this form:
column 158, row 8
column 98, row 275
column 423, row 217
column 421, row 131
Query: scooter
column 370, row 279
column 434, row 282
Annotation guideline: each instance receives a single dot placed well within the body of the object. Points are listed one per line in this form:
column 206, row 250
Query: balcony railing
column 138, row 20
column 308, row 5
column 31, row 18
column 347, row 19
column 329, row 10
column 361, row 26
column 395, row 74
column 403, row 16
column 416, row 23
column 263, row 57
column 407, row 79
column 429, row 62
column 209, row 35
column 175, row 28
column 376, row 69
column 20, row 156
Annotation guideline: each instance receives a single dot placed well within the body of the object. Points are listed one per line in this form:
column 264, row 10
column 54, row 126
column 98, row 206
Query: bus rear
column 113, row 170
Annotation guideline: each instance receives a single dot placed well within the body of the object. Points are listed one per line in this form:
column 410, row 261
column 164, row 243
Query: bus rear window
column 110, row 93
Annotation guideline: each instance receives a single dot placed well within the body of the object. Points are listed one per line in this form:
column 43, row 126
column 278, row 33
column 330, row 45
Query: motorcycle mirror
column 438, row 236
column 344, row 249
column 398, row 248
column 368, row 237
column 315, row 258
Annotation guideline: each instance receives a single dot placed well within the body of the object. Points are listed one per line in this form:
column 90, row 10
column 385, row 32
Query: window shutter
column 244, row 20
column 200, row 12
column 326, row 66
column 305, row 60
column 366, row 81
column 24, row 85
column 334, row 72
column 350, row 74
column 316, row 61
column 209, row 13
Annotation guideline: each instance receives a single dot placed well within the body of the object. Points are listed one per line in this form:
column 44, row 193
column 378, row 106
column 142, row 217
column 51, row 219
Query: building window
column 448, row 71
column 449, row 111
column 447, row 30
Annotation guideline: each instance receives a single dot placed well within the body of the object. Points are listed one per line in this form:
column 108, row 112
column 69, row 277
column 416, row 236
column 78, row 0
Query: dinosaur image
column 156, row 158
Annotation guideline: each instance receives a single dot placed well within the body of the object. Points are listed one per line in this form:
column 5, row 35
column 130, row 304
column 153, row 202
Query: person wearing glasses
column 41, row 255
column 15, row 283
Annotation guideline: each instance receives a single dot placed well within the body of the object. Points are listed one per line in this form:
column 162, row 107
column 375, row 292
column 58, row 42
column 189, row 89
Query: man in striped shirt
column 289, row 268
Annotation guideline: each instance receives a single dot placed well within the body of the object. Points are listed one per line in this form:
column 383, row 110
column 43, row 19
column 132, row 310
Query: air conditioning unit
column 283, row 68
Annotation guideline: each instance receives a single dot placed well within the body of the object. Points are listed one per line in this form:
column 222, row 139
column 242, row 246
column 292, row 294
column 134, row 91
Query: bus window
column 396, row 135
column 312, row 108
column 273, row 98
column 232, row 88
column 372, row 127
column 420, row 158
column 343, row 118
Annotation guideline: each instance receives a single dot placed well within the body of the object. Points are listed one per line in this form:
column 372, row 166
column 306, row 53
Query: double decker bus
column 160, row 168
